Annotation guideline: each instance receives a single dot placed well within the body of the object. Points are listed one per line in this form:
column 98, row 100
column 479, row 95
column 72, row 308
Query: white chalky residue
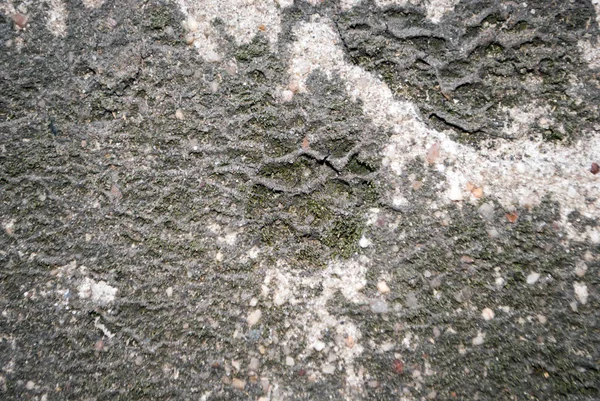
column 435, row 8
column 243, row 19
column 590, row 53
column 93, row 3
column 518, row 173
column 57, row 18
column 345, row 277
column 596, row 4
column 98, row 291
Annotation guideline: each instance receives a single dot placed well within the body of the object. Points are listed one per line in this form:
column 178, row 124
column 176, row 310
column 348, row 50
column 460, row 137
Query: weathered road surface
column 268, row 200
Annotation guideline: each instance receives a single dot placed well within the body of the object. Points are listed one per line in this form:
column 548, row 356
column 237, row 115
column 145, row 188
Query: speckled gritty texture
column 347, row 201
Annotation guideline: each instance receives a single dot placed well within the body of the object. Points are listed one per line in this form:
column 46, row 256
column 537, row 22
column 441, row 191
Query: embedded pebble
column 319, row 346
column 328, row 369
column 542, row 319
column 379, row 306
column 455, row 194
column 364, row 242
column 581, row 292
column 383, row 287
column 289, row 361
column 487, row 314
column 486, row 211
column 532, row 278
column 479, row 339
column 253, row 302
column 179, row 114
column 254, row 317
column 254, row 364
column 287, row 96
column 169, row 292
column 30, row 385
column 238, row 383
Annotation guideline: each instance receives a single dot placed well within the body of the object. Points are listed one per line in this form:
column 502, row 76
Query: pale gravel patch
column 93, row 3
column 97, row 291
column 518, row 173
column 435, row 9
column 346, row 277
column 242, row 19
column 57, row 18
column 590, row 53
column 596, row 4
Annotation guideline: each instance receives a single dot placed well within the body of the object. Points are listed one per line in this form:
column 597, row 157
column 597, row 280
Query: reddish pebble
column 20, row 20
column 595, row 168
column 433, row 153
column 301, row 372
column 512, row 217
column 398, row 366
column 99, row 346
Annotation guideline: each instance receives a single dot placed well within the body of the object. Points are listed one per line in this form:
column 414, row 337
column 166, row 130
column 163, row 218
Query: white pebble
column 487, row 314
column 179, row 114
column 479, row 339
column 328, row 369
column 254, row 317
column 169, row 292
column 383, row 287
column 192, row 24
column 364, row 242
column 30, row 385
column 542, row 319
column 532, row 278
column 287, row 96
column 319, row 345
column 253, row 302
column 289, row 361
column 455, row 194
column 581, row 292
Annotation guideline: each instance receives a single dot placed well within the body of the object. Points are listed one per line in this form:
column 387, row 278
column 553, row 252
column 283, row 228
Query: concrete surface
column 310, row 200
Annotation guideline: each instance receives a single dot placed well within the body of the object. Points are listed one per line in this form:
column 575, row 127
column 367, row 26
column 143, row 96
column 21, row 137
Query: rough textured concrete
column 276, row 200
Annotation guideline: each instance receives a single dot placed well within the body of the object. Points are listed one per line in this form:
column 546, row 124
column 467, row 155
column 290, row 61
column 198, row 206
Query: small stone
column 289, row 361
column 532, row 278
column 238, row 383
column 328, row 369
column 190, row 38
column 433, row 153
column 487, row 314
column 432, row 395
column 383, row 287
column 169, row 292
column 139, row 360
column 542, row 319
column 20, row 20
column 350, row 342
column 253, row 302
column 479, row 339
column 581, row 292
column 364, row 242
column 379, row 306
column 486, row 211
column 254, row 364
column 287, row 96
column 236, row 365
column 580, row 269
column 595, row 168
column 192, row 24
column 319, row 346
column 30, row 385
column 455, row 194
column 411, row 300
column 179, row 114
column 254, row 317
